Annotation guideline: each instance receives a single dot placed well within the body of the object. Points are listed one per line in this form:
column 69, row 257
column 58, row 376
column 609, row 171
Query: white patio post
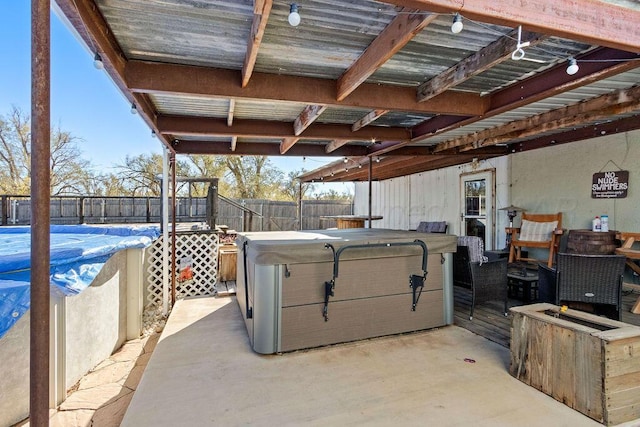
column 165, row 230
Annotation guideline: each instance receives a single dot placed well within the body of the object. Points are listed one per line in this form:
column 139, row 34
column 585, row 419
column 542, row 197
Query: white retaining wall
column 85, row 329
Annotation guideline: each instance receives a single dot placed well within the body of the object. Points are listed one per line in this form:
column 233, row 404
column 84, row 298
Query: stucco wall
column 96, row 325
column 546, row 180
column 96, row 319
column 14, row 372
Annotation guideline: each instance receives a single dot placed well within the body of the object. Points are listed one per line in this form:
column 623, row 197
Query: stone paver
column 103, row 395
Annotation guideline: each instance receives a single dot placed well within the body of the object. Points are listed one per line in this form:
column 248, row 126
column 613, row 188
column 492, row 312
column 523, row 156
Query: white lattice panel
column 197, row 266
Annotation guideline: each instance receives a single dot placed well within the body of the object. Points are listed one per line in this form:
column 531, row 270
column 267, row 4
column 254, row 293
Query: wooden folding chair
column 536, row 231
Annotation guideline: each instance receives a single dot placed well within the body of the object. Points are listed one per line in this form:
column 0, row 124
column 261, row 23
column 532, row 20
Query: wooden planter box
column 227, row 261
column 590, row 363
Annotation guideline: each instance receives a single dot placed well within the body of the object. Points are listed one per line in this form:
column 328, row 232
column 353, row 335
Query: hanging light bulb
column 97, row 61
column 457, row 25
column 345, row 160
column 294, row 16
column 573, row 67
column 134, row 109
column 153, row 134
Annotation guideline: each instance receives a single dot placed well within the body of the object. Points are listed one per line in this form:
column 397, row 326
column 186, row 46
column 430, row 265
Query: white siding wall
column 558, row 179
column 546, row 180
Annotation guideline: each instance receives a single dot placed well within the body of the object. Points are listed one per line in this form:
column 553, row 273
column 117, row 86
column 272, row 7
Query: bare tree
column 291, row 186
column 254, row 177
column 209, row 166
column 139, row 175
column 70, row 173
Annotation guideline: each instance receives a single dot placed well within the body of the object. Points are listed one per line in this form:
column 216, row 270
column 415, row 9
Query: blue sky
column 84, row 101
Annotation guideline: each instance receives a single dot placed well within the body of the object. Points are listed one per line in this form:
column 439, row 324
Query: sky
column 84, row 100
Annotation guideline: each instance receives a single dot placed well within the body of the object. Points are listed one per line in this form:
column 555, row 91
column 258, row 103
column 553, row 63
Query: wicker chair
column 487, row 279
column 547, row 284
column 594, row 279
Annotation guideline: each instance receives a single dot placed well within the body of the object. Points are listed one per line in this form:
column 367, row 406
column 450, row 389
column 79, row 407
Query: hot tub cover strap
column 415, row 281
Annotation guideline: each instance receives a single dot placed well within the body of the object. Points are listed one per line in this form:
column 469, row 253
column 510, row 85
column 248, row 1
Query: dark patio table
column 523, row 281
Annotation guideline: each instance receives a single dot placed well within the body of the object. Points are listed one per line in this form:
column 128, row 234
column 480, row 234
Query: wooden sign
column 610, row 185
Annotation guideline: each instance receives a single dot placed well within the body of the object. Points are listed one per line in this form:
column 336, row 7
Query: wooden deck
column 489, row 322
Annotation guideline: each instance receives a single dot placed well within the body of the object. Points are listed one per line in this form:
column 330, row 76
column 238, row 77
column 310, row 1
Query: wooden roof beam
column 404, row 27
column 287, row 143
column 309, row 115
column 334, row 145
column 601, row 107
column 206, row 126
column 369, row 118
column 261, row 10
column 163, row 78
column 230, row 112
column 598, row 64
column 263, row 149
column 475, row 64
column 593, row 22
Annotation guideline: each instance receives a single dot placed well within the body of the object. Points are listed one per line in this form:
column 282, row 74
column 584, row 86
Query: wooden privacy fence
column 237, row 214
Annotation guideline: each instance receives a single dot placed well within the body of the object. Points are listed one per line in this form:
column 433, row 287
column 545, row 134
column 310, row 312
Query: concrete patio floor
column 203, row 372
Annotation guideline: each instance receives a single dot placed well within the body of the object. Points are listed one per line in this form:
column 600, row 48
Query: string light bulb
column 573, row 67
column 457, row 24
column 345, row 160
column 97, row 62
column 134, row 109
column 294, row 16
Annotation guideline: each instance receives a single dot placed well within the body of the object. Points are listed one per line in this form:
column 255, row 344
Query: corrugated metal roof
column 332, row 36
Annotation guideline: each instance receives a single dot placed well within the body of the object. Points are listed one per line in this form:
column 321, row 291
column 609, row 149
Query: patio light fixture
column 294, row 16
column 573, row 67
column 457, row 24
column 97, row 62
column 134, row 109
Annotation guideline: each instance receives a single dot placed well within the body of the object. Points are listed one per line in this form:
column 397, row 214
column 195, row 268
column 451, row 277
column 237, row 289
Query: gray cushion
column 432, row 227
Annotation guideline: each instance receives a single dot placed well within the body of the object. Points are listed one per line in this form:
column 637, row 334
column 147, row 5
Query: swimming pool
column 78, row 253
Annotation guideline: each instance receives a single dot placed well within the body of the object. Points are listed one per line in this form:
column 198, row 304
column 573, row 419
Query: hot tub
column 312, row 288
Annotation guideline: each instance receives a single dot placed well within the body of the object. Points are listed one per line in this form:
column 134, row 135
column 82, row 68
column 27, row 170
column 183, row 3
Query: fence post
column 4, row 211
column 81, row 210
column 148, row 210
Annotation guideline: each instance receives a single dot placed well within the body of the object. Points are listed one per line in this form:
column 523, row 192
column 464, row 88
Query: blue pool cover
column 78, row 253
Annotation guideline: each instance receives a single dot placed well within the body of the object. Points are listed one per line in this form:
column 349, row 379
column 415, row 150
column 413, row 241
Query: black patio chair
column 593, row 279
column 486, row 278
column 546, row 284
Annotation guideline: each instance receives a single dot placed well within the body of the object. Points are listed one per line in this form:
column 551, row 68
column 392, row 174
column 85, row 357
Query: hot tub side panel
column 262, row 320
column 372, row 298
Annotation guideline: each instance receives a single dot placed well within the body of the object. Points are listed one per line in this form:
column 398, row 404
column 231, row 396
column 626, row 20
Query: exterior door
column 477, row 206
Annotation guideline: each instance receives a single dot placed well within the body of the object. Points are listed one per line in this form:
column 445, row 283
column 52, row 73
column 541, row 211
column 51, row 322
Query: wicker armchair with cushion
column 486, row 278
column 593, row 279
